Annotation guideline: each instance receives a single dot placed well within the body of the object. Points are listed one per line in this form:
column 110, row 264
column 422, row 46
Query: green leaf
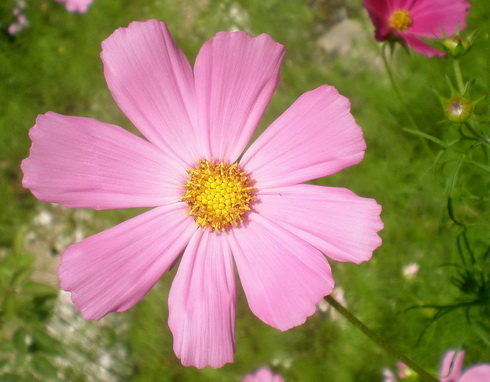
column 24, row 260
column 10, row 378
column 47, row 343
column 6, row 347
column 16, row 261
column 5, row 276
column 33, row 288
column 9, row 305
column 18, row 242
column 21, row 340
column 42, row 366
column 22, row 275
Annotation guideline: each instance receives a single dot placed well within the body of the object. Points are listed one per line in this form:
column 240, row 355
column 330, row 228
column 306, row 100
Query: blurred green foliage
column 26, row 350
column 54, row 65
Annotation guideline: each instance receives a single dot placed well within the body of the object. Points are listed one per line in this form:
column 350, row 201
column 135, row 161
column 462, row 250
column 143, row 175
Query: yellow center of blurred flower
column 217, row 194
column 400, row 20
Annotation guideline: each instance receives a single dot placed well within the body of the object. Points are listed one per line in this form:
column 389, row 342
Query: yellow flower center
column 400, row 20
column 217, row 194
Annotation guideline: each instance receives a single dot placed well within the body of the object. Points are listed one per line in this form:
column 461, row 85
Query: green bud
column 458, row 109
column 456, row 46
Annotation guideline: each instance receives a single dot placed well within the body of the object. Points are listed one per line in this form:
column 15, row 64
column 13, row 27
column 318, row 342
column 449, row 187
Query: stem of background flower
column 459, row 77
column 379, row 340
column 400, row 98
column 470, row 125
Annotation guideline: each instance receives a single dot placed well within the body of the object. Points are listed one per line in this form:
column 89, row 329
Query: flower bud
column 458, row 109
column 456, row 46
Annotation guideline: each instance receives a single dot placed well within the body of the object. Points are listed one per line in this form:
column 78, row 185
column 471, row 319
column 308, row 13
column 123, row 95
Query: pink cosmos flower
column 450, row 370
column 411, row 19
column 216, row 204
column 80, row 6
column 263, row 375
column 476, row 373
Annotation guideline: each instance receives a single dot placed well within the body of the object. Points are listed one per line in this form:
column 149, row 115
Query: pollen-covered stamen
column 217, row 194
column 400, row 20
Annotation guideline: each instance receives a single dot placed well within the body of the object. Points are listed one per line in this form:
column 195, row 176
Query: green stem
column 470, row 125
column 462, row 90
column 379, row 340
column 400, row 98
column 459, row 77
column 450, row 147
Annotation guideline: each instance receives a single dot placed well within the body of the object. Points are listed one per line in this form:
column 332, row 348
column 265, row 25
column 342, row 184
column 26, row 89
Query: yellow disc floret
column 217, row 194
column 400, row 20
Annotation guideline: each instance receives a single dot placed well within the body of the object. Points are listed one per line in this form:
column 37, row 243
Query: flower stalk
column 376, row 338
column 459, row 77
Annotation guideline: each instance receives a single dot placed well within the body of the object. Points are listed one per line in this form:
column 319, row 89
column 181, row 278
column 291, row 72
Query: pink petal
column 334, row 220
column 402, row 370
column 379, row 7
column 152, row 82
column 236, row 76
column 421, row 46
column 80, row 6
column 315, row 137
column 114, row 269
column 379, row 11
column 403, row 4
column 283, row 276
column 477, row 373
column 263, row 375
column 452, row 364
column 432, row 17
column 202, row 303
column 84, row 163
column 388, row 376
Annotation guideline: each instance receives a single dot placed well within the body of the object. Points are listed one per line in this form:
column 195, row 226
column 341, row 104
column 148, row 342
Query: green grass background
column 54, row 65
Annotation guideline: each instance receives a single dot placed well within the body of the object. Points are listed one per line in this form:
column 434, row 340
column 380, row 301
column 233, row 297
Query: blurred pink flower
column 412, row 19
column 80, row 6
column 212, row 203
column 14, row 28
column 475, row 373
column 263, row 375
column 21, row 22
column 388, row 376
column 450, row 370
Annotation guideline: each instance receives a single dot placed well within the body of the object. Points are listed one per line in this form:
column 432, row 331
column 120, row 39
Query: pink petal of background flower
column 475, row 373
column 451, row 366
column 80, row 6
column 264, row 374
column 450, row 370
